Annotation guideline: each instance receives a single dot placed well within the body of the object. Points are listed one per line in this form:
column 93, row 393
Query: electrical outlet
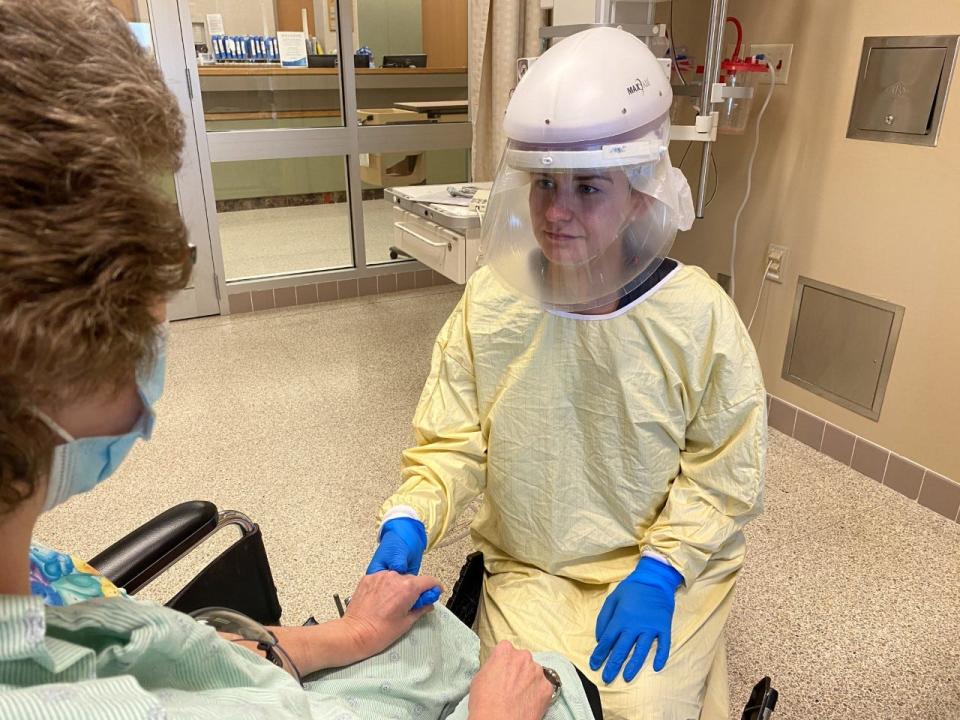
column 777, row 55
column 777, row 259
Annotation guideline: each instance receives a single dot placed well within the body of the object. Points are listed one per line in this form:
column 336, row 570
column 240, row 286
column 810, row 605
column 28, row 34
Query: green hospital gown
column 119, row 659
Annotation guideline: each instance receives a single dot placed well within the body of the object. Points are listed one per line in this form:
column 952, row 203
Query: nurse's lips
column 559, row 237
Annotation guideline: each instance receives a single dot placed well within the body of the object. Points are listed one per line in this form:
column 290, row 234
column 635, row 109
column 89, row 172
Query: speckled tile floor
column 270, row 241
column 850, row 598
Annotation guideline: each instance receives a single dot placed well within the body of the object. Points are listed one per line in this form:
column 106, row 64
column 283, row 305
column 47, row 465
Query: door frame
column 173, row 42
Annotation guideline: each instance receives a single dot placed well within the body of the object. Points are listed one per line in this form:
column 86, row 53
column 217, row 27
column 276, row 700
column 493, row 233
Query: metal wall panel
column 902, row 89
column 841, row 345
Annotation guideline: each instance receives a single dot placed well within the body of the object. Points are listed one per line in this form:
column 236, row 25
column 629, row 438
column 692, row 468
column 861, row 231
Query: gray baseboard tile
column 910, row 479
column 904, row 476
column 311, row 294
column 809, row 429
column 838, row 444
column 870, row 460
column 782, row 416
column 940, row 495
column 240, row 303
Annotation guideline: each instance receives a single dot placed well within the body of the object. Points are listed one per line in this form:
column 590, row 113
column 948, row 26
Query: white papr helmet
column 586, row 202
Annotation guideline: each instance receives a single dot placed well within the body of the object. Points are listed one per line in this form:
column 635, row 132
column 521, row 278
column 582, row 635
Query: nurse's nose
column 558, row 209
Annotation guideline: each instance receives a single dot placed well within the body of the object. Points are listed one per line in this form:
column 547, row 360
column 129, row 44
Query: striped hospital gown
column 117, row 659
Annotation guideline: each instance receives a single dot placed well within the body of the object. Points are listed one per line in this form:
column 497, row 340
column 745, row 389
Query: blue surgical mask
column 80, row 464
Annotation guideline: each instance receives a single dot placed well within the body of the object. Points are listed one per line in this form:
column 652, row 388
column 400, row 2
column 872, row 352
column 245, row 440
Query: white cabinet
column 446, row 241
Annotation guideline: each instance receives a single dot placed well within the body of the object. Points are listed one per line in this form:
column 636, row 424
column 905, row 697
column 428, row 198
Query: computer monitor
column 321, row 61
column 329, row 61
column 404, row 61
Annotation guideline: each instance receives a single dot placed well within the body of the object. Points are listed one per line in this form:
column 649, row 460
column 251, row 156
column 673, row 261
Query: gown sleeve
column 447, row 468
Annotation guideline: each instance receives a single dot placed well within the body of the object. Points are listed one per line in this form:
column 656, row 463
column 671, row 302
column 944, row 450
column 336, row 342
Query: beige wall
column 877, row 218
column 390, row 27
column 240, row 17
column 329, row 38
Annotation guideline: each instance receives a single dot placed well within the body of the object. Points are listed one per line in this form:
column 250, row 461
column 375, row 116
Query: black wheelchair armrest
column 464, row 601
column 141, row 555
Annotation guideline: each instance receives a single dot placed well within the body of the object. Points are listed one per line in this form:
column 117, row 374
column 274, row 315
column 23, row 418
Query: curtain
column 501, row 32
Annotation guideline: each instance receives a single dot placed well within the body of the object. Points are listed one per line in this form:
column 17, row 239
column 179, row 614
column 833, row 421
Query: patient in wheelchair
column 90, row 249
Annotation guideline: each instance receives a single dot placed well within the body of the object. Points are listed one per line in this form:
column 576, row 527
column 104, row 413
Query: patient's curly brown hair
column 88, row 241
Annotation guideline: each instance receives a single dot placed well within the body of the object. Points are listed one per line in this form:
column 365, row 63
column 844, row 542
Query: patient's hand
column 378, row 614
column 509, row 686
column 379, row 610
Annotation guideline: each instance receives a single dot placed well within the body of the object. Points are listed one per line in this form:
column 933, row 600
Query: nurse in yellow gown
column 605, row 399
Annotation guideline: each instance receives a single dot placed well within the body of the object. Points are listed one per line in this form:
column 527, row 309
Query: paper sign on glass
column 293, row 49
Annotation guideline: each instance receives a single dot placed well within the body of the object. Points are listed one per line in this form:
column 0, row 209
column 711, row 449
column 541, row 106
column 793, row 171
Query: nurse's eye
column 587, row 189
column 545, row 184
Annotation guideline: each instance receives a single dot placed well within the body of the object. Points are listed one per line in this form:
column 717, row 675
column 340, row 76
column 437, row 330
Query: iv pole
column 711, row 71
column 706, row 125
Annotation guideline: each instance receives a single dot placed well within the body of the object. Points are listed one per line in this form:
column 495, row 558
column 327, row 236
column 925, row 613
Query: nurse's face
column 578, row 215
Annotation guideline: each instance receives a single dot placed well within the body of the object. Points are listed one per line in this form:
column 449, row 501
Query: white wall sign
column 293, row 49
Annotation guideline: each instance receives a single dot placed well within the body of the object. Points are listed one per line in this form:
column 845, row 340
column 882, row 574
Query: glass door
column 300, row 149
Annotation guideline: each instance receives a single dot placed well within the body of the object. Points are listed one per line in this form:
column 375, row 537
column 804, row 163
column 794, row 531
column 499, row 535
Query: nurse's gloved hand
column 637, row 613
column 402, row 542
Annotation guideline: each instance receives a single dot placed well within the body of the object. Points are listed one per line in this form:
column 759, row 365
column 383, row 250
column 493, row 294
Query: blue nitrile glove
column 402, row 542
column 637, row 612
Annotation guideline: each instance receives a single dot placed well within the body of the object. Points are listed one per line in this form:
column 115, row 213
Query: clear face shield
column 577, row 227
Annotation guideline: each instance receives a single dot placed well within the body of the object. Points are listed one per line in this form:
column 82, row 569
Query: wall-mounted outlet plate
column 777, row 55
column 777, row 260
